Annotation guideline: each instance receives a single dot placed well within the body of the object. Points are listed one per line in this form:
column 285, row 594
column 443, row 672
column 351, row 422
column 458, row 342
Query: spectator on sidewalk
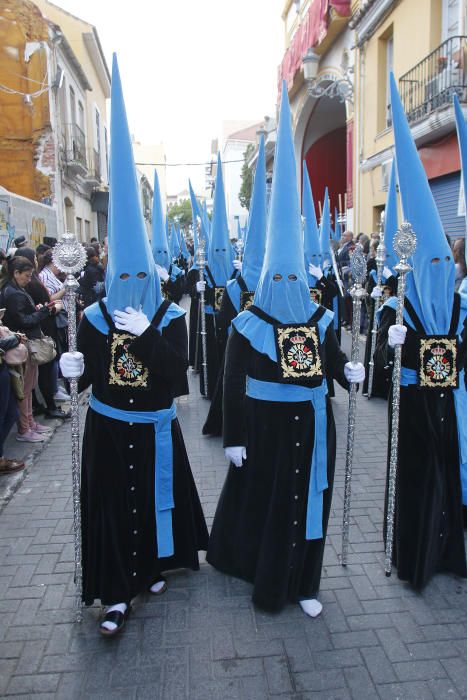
column 22, row 316
column 8, row 406
column 91, row 282
column 48, row 372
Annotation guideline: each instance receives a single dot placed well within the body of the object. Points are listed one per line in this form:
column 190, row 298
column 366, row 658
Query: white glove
column 326, row 264
column 396, row 335
column 131, row 321
column 377, row 293
column 387, row 272
column 238, row 265
column 201, row 286
column 315, row 270
column 72, row 365
column 354, row 373
column 235, row 455
column 162, row 272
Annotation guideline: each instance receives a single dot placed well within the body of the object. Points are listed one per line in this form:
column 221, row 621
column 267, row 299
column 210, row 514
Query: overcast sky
column 186, row 66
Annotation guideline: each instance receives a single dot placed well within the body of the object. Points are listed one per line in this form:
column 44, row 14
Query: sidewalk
column 203, row 639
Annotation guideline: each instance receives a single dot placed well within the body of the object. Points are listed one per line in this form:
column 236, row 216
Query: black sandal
column 118, row 618
column 161, row 579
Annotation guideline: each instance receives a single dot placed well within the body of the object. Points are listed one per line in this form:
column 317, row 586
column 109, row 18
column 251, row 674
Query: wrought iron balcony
column 431, row 83
column 94, row 174
column 75, row 149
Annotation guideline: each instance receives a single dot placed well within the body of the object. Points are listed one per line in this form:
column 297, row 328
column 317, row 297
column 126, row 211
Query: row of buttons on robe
column 133, row 492
column 296, row 496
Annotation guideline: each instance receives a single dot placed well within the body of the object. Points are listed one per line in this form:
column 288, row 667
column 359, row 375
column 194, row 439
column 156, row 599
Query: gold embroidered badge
column 218, row 294
column 246, row 300
column 125, row 369
column 298, row 352
column 438, row 362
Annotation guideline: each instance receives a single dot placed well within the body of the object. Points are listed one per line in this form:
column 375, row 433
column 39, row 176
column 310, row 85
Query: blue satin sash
column 291, row 393
column 163, row 468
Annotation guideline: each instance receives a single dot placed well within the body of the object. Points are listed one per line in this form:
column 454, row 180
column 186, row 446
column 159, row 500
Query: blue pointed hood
column 255, row 238
column 391, row 220
column 219, row 253
column 325, row 230
column 462, row 138
column 278, row 293
column 131, row 278
column 337, row 233
column 160, row 246
column 311, row 233
column 196, row 213
column 430, row 287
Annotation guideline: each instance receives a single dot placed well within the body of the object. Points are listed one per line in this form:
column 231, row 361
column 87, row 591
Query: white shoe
column 31, row 436
column 61, row 395
column 311, row 607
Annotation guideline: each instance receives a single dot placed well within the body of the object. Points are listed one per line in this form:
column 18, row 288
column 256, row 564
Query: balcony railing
column 431, row 83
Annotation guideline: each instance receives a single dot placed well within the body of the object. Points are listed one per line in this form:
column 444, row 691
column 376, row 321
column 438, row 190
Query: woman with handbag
column 9, row 342
column 22, row 316
column 48, row 372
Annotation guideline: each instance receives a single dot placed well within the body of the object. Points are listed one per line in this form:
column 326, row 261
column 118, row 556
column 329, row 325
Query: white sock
column 311, row 607
column 121, row 607
column 157, row 587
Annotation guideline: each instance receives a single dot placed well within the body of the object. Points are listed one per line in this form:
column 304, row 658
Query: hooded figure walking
column 279, row 433
column 432, row 453
column 240, row 291
column 141, row 513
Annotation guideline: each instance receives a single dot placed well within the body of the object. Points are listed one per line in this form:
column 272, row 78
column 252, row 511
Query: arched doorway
column 324, row 149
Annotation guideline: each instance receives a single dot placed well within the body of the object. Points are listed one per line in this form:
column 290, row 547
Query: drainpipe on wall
column 54, row 123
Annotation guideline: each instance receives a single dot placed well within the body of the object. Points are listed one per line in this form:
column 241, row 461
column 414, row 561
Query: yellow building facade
column 423, row 43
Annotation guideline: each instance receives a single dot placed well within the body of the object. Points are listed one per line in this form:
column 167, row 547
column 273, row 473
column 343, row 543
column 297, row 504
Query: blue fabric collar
column 95, row 317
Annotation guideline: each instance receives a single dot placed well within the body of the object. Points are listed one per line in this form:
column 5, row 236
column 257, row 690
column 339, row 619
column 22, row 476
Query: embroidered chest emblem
column 438, row 362
column 316, row 295
column 246, row 300
column 298, row 352
column 125, row 369
column 218, row 294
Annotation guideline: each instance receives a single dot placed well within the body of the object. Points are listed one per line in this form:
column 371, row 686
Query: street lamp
column 326, row 85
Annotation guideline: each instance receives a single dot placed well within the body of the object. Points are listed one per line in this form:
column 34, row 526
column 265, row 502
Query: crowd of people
column 265, row 331
column 33, row 336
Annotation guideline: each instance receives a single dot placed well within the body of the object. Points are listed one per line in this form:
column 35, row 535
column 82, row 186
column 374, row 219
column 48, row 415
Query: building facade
column 423, row 42
column 336, row 67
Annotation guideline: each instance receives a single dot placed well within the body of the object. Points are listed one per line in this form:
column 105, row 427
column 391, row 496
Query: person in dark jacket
column 21, row 315
column 8, row 407
column 48, row 372
column 92, row 280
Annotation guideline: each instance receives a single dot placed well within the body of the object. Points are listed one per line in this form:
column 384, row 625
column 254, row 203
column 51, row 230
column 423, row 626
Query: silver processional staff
column 70, row 257
column 405, row 243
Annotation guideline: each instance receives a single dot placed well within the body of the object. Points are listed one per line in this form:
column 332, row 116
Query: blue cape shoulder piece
column 95, row 317
column 260, row 334
column 391, row 303
column 176, row 272
column 233, row 290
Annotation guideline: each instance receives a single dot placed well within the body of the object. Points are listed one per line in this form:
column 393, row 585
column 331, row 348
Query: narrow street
column 203, row 639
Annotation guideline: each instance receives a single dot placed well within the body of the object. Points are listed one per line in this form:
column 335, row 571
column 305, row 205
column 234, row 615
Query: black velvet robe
column 381, row 373
column 117, row 479
column 173, row 290
column 213, row 423
column 428, row 531
column 259, row 527
column 329, row 290
column 191, row 279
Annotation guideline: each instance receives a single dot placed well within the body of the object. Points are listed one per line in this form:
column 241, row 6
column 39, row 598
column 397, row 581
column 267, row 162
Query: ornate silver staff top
column 201, row 261
column 69, row 255
column 239, row 245
column 405, row 243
